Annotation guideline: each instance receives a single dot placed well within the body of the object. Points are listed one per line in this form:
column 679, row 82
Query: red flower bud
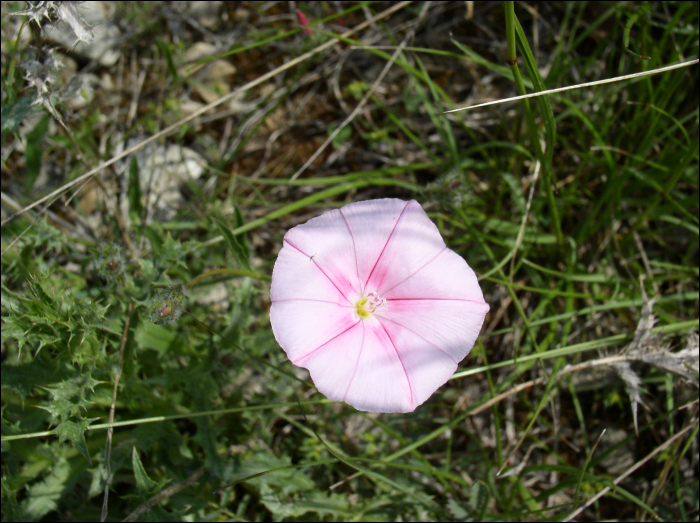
column 303, row 21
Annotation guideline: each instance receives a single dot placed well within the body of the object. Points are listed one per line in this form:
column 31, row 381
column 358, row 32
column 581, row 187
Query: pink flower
column 372, row 302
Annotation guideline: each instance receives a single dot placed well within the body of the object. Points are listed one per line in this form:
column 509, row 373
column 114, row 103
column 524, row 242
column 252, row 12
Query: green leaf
column 75, row 432
column 133, row 192
column 479, row 497
column 143, row 482
column 534, row 72
column 644, row 11
column 237, row 244
column 63, row 405
column 459, row 513
column 343, row 136
column 207, row 432
column 22, row 378
column 170, row 251
column 42, row 497
column 279, row 490
column 152, row 336
column 34, row 151
column 165, row 49
column 238, row 220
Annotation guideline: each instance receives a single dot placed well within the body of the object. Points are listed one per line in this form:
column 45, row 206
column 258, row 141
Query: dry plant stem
column 163, row 494
column 6, row 200
column 160, row 419
column 25, row 231
column 110, row 430
column 353, row 114
column 629, row 471
column 579, row 86
column 366, row 98
column 172, row 128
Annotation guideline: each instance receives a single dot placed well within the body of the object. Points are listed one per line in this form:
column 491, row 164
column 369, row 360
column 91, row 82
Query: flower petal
column 333, row 365
column 301, row 327
column 326, row 242
column 450, row 326
column 434, row 317
column 371, row 224
column 427, row 365
column 446, row 276
column 380, row 383
column 296, row 277
column 414, row 242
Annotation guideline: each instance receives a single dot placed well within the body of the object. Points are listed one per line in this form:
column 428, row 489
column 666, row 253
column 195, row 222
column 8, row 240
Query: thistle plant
column 111, row 263
column 166, row 305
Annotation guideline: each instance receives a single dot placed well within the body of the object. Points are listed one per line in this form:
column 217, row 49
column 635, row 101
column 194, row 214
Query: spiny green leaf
column 143, row 482
column 172, row 251
column 69, row 397
column 75, row 432
column 56, row 318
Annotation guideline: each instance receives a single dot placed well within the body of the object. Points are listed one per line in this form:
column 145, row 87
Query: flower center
column 367, row 305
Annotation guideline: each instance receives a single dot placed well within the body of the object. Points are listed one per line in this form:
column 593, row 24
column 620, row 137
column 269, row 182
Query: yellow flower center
column 362, row 312
column 368, row 304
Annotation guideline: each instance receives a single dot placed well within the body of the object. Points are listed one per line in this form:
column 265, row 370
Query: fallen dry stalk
column 579, row 86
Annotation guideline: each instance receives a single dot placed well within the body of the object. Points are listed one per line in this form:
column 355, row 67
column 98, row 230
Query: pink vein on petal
column 325, row 343
column 384, row 248
column 416, row 271
column 354, row 248
column 319, row 268
column 357, row 362
column 410, row 388
column 422, row 337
